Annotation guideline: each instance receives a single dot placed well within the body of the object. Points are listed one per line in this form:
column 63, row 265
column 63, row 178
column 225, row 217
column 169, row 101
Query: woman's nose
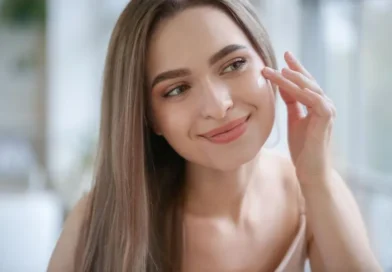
column 217, row 101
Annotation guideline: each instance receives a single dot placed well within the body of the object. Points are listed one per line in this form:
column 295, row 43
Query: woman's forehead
column 192, row 35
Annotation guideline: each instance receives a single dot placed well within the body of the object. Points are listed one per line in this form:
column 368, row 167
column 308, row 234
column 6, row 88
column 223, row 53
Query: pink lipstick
column 229, row 132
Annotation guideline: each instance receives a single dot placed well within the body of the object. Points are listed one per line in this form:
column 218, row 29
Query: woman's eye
column 176, row 91
column 234, row 66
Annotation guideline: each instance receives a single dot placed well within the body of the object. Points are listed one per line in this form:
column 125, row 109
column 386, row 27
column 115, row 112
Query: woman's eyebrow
column 224, row 52
column 186, row 72
column 170, row 75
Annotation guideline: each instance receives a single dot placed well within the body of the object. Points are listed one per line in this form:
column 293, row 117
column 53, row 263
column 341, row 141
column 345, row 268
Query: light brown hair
column 133, row 220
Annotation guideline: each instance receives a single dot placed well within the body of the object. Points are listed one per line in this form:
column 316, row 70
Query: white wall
column 74, row 77
column 29, row 227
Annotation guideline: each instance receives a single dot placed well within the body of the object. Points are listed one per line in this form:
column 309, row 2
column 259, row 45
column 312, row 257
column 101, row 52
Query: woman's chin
column 230, row 161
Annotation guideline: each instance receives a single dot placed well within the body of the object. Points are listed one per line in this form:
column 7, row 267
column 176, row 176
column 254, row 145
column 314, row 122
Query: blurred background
column 51, row 62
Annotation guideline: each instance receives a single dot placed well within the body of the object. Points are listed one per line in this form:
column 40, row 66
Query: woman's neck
column 213, row 193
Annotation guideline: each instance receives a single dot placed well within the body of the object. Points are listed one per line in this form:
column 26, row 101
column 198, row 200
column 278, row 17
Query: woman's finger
column 295, row 65
column 301, row 80
column 312, row 100
column 293, row 90
column 320, row 105
column 295, row 110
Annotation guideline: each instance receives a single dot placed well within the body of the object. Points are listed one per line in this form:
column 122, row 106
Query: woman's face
column 205, row 75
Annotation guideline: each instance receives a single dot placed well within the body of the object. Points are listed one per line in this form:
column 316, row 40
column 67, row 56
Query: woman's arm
column 63, row 256
column 338, row 231
column 339, row 240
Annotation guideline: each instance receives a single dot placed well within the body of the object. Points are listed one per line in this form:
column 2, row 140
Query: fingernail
column 290, row 56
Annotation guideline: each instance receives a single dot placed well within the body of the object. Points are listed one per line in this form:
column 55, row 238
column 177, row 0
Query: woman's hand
column 308, row 133
column 339, row 240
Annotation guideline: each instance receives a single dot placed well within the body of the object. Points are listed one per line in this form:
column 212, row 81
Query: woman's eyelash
column 237, row 64
column 181, row 88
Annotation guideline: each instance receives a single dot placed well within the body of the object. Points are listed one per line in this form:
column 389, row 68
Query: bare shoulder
column 62, row 259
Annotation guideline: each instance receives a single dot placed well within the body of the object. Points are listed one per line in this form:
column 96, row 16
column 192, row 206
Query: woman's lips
column 229, row 132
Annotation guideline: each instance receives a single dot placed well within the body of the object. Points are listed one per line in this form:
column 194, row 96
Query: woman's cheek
column 174, row 121
column 258, row 91
column 261, row 81
column 255, row 82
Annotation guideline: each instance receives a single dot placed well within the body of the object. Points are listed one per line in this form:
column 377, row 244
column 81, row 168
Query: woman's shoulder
column 62, row 259
column 285, row 167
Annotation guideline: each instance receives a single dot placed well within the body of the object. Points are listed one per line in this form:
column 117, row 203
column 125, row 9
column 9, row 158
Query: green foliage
column 23, row 12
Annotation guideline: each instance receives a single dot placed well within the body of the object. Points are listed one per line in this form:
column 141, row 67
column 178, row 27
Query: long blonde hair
column 133, row 220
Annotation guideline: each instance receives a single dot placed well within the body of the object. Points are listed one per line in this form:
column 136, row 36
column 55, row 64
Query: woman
column 183, row 182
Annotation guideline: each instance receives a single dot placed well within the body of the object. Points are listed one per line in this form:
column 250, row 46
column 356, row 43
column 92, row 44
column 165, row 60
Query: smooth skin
column 243, row 202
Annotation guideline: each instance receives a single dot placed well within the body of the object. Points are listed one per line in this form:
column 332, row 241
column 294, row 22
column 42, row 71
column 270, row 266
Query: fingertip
column 286, row 71
column 267, row 71
column 289, row 56
column 262, row 72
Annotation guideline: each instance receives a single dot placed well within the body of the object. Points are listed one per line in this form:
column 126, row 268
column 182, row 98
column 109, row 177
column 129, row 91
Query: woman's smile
column 229, row 132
